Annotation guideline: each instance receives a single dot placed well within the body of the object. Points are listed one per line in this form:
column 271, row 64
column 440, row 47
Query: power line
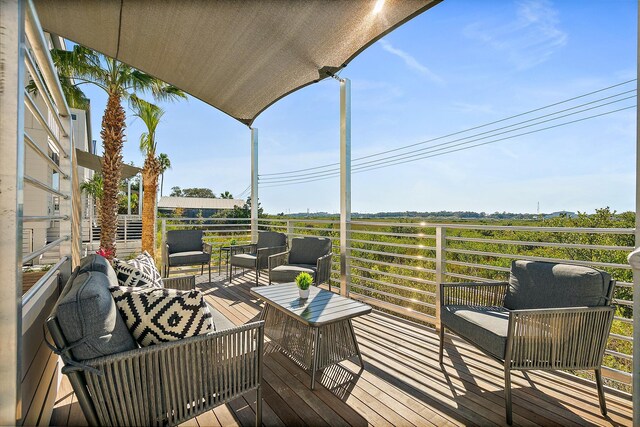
column 458, row 132
column 446, row 145
column 429, row 155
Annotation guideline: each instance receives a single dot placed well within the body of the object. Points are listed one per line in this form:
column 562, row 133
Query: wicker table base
column 314, row 333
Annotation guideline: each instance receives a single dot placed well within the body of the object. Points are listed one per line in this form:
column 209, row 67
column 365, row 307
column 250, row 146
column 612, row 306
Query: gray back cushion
column 95, row 262
column 307, row 250
column 535, row 284
column 88, row 312
column 184, row 240
column 270, row 239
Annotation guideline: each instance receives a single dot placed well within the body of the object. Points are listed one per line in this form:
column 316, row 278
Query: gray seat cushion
column 270, row 239
column 307, row 250
column 95, row 262
column 184, row 241
column 486, row 327
column 288, row 272
column 243, row 260
column 88, row 312
column 535, row 284
column 189, row 258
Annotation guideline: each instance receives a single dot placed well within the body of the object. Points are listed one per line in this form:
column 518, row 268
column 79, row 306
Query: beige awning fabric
column 238, row 56
column 93, row 162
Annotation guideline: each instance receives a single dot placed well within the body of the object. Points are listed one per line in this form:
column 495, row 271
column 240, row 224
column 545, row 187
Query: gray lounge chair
column 255, row 256
column 307, row 254
column 117, row 383
column 186, row 247
column 548, row 316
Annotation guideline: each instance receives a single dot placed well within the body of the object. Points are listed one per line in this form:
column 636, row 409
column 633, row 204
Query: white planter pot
column 304, row 294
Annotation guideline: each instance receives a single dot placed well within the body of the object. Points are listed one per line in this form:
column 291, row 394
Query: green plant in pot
column 303, row 281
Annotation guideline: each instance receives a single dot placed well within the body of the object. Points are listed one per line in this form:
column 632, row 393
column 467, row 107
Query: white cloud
column 411, row 62
column 530, row 39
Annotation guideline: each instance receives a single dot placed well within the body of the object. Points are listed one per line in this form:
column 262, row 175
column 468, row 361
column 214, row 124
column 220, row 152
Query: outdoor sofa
column 118, row 383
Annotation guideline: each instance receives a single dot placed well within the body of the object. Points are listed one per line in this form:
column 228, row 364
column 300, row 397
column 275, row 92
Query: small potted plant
column 303, row 281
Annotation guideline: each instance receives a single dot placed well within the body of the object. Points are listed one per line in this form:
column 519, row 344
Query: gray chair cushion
column 95, row 262
column 184, row 241
column 288, row 273
column 189, row 258
column 88, row 312
column 486, row 327
column 535, row 284
column 243, row 260
column 307, row 250
column 270, row 239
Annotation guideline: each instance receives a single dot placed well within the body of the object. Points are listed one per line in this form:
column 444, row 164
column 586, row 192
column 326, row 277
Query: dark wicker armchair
column 185, row 247
column 255, row 256
column 307, row 254
column 548, row 316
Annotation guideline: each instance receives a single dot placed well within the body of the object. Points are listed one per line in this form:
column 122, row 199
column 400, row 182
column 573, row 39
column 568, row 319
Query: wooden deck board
column 402, row 383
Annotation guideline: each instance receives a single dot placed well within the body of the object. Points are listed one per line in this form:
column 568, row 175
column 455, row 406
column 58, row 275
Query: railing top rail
column 167, row 218
column 307, row 220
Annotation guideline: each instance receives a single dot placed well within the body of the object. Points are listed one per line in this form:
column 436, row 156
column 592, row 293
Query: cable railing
column 50, row 138
column 396, row 266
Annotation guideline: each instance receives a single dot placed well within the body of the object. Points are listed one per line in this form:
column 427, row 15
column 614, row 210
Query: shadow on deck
column 402, row 383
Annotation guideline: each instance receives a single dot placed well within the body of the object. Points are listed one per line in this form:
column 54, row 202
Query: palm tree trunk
column 161, row 183
column 112, row 133
column 150, row 174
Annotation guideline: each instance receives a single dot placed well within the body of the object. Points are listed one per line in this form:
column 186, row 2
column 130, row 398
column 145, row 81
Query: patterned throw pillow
column 145, row 263
column 157, row 315
column 139, row 272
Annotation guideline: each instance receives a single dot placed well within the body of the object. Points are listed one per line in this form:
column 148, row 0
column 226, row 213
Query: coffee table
column 314, row 333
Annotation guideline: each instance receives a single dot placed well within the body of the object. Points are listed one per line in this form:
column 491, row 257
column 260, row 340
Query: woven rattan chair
column 307, row 254
column 186, row 247
column 548, row 316
column 159, row 385
column 255, row 256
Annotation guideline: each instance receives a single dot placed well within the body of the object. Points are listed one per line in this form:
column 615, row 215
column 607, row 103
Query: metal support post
column 289, row 231
column 254, row 185
column 636, row 275
column 140, row 197
column 11, row 199
column 345, row 185
column 129, row 197
column 441, row 267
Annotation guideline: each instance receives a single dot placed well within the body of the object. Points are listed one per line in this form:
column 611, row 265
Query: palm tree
column 165, row 164
column 226, row 195
column 93, row 187
column 84, row 66
column 150, row 114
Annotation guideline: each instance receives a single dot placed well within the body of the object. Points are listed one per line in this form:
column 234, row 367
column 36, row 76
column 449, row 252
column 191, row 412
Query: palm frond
column 80, row 62
column 150, row 114
column 165, row 162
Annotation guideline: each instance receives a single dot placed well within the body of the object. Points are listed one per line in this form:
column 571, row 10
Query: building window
column 73, row 116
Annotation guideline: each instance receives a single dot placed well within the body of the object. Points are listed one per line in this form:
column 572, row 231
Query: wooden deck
column 402, row 383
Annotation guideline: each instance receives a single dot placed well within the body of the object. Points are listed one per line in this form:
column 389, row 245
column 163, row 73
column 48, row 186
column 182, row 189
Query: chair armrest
column 263, row 255
column 323, row 268
column 559, row 338
column 234, row 249
column 486, row 294
column 220, row 371
column 207, row 248
column 278, row 259
column 184, row 283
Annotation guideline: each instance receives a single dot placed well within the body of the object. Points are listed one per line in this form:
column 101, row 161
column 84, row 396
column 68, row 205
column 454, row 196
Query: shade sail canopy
column 93, row 162
column 238, row 56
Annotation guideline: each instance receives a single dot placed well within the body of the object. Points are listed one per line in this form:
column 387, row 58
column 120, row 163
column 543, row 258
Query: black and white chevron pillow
column 157, row 315
column 139, row 272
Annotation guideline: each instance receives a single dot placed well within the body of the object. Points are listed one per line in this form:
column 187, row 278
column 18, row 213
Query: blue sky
column 459, row 65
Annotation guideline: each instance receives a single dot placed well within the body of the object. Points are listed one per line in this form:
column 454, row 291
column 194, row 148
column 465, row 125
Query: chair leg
column 507, row 394
column 209, row 271
column 202, row 269
column 257, row 272
column 259, row 406
column 440, row 355
column 603, row 402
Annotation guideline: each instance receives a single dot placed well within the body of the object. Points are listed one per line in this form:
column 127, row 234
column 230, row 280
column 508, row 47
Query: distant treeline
column 416, row 214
